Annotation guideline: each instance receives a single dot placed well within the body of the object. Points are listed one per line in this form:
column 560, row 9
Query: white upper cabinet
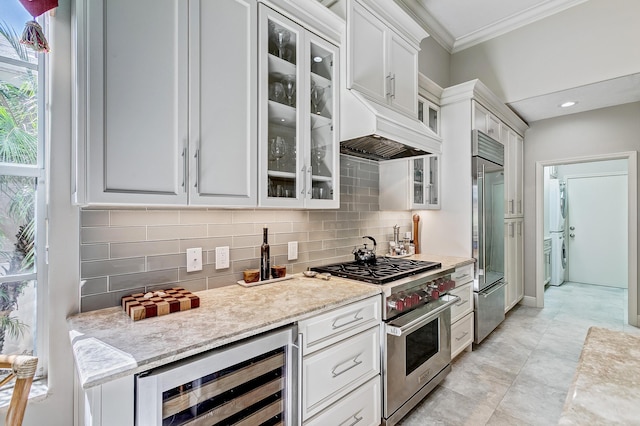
column 299, row 107
column 514, row 172
column 170, row 120
column 222, row 106
column 382, row 63
column 134, row 104
column 486, row 122
column 410, row 183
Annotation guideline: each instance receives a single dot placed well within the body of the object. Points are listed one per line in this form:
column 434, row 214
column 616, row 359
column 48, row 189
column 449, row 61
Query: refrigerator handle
column 482, row 225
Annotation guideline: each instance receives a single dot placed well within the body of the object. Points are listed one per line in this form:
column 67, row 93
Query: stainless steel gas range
column 416, row 352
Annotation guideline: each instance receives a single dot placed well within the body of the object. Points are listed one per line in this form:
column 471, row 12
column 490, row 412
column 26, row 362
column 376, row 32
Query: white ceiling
column 460, row 24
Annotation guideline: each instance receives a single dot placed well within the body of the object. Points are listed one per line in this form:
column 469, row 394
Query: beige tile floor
column 521, row 373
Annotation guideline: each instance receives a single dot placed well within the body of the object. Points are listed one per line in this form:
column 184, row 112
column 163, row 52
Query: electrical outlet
column 293, row 250
column 222, row 257
column 194, row 259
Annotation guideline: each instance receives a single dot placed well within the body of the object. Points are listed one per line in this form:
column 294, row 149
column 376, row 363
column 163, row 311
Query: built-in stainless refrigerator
column 488, row 233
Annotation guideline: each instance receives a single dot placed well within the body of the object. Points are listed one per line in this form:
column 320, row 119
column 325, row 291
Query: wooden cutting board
column 157, row 303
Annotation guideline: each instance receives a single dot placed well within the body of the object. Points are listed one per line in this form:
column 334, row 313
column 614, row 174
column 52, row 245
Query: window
column 22, row 192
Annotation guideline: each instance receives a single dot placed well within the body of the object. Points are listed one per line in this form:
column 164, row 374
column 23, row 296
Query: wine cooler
column 248, row 383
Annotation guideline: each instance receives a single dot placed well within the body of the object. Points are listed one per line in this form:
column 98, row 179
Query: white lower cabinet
column 513, row 262
column 362, row 407
column 331, row 374
column 341, row 365
column 462, row 335
column 462, row 312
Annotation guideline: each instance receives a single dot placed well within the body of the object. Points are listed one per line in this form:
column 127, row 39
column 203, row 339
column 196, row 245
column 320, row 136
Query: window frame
column 39, row 172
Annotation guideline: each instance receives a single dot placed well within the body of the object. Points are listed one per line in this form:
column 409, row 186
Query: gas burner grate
column 383, row 271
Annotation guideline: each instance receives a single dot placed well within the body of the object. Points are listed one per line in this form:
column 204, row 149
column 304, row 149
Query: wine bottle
column 265, row 267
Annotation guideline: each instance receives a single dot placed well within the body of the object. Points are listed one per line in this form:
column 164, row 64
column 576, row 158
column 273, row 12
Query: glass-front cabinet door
column 426, row 182
column 298, row 110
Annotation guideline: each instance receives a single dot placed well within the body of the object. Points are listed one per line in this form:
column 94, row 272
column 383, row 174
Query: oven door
column 418, row 347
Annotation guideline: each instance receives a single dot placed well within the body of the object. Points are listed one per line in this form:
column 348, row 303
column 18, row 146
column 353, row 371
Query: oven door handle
column 398, row 331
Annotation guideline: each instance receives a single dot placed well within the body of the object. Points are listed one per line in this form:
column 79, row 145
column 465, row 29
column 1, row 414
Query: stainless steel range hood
column 374, row 131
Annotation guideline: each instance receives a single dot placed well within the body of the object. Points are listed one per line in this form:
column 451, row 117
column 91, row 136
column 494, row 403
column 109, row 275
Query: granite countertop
column 605, row 386
column 448, row 262
column 107, row 344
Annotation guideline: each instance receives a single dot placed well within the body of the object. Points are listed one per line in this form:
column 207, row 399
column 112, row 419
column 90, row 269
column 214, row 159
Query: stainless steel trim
column 488, row 310
column 355, row 362
column 356, row 318
column 486, row 147
column 184, row 168
column 298, row 398
column 407, row 323
column 197, row 157
column 492, row 289
column 415, row 399
column 356, row 418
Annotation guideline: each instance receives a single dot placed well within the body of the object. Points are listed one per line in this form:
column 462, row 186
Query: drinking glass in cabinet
column 281, row 39
column 289, row 84
column 278, row 150
column 276, row 91
column 317, row 99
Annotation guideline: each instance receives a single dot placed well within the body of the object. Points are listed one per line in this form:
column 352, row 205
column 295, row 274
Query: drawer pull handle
column 356, row 318
column 462, row 337
column 356, row 420
column 462, row 276
column 462, row 302
column 354, row 364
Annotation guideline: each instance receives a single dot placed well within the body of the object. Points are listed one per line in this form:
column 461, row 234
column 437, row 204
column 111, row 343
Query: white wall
column 434, row 62
column 603, row 131
column 609, row 166
column 593, row 41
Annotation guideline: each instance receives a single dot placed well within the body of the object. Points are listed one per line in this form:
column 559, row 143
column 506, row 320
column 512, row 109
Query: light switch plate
column 222, row 257
column 293, row 250
column 194, row 259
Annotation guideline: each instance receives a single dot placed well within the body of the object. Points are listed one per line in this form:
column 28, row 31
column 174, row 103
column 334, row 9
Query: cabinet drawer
column 465, row 305
column 463, row 274
column 461, row 334
column 328, row 328
column 362, row 407
column 330, row 374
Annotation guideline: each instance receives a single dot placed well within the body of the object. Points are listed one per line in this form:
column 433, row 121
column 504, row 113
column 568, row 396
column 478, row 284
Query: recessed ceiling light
column 282, row 119
column 317, row 59
column 568, row 104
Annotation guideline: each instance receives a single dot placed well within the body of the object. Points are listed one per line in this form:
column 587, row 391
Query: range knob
column 397, row 304
column 435, row 294
column 442, row 287
column 451, row 284
column 415, row 299
column 408, row 301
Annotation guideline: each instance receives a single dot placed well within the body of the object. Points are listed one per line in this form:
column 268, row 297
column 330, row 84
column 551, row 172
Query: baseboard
column 529, row 301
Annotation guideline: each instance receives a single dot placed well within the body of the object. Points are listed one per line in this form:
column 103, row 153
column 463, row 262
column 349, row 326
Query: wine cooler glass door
column 251, row 382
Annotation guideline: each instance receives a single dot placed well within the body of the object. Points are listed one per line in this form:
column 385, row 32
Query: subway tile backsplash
column 124, row 251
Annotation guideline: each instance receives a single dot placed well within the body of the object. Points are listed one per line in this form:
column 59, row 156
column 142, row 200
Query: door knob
column 572, row 228
column 572, row 235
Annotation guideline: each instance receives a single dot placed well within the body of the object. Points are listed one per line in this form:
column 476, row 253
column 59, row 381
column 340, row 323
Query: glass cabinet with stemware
column 298, row 113
column 410, row 183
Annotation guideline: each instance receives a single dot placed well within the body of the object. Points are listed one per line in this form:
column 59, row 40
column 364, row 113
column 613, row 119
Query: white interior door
column 596, row 231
